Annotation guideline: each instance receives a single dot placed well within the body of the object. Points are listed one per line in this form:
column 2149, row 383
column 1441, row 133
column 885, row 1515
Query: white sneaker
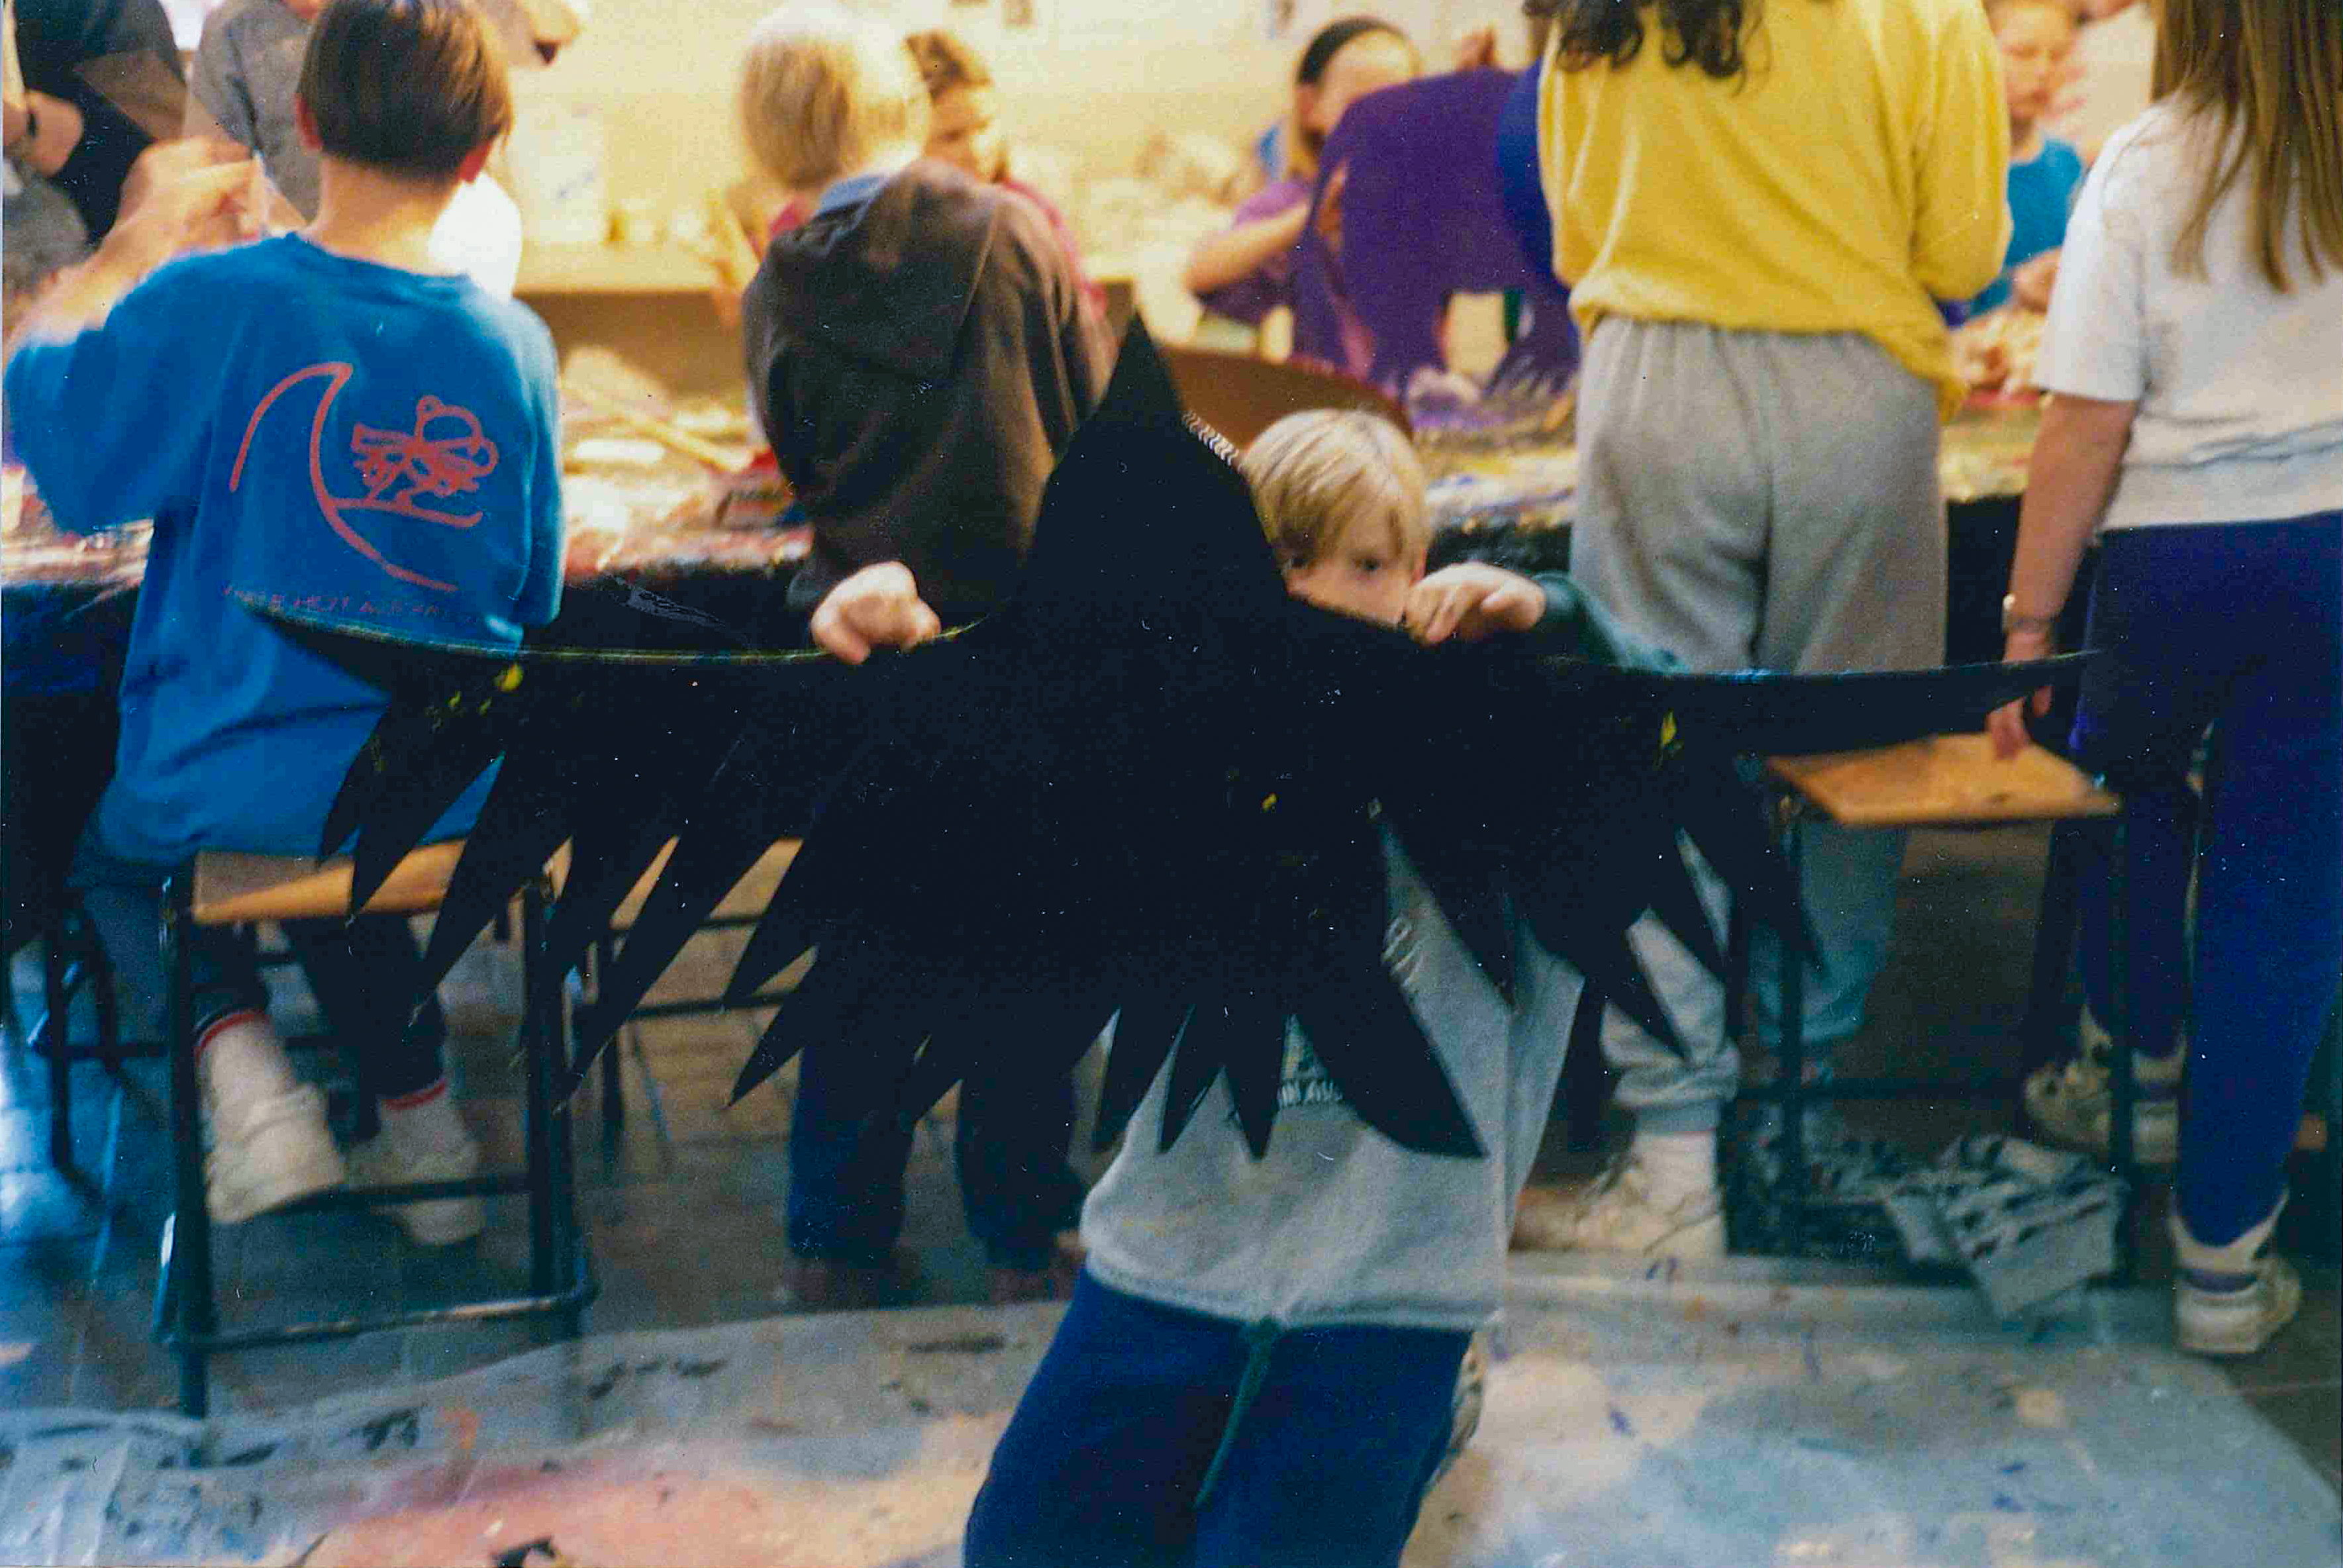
column 1619, row 1213
column 2073, row 1100
column 2229, row 1301
column 386, row 1159
column 266, row 1151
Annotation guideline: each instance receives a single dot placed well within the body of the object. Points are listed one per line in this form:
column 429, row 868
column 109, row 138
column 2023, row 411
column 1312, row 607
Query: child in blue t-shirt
column 2045, row 173
column 323, row 421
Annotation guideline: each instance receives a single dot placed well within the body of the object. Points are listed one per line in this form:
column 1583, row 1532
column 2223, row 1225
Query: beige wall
column 1094, row 77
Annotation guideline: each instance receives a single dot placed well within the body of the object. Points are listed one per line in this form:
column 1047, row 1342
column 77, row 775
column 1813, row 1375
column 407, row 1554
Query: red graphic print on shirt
column 445, row 455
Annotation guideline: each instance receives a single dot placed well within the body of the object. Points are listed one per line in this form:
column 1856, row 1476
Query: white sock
column 243, row 1061
column 426, row 1119
column 1679, row 1165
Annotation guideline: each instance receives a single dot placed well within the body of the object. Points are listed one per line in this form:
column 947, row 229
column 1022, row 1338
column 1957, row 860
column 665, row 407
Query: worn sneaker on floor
column 2235, row 1314
column 387, row 1161
column 2073, row 1100
column 1619, row 1213
column 266, row 1151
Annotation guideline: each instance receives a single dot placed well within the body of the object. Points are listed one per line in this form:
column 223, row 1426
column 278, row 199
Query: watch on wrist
column 2011, row 620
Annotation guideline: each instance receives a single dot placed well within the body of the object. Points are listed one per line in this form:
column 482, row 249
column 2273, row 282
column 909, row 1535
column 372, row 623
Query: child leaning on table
column 2033, row 38
column 326, row 421
column 1259, row 1363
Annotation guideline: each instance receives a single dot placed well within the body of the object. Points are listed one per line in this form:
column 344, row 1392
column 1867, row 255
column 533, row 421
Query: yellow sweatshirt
column 1855, row 174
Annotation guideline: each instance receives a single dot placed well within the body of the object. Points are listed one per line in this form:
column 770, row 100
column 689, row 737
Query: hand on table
column 2031, row 283
column 2006, row 724
column 877, row 607
column 1471, row 601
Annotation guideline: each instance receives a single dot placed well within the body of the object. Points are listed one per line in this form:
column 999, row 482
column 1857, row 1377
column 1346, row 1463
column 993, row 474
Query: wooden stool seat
column 1939, row 781
column 1943, row 780
column 234, row 889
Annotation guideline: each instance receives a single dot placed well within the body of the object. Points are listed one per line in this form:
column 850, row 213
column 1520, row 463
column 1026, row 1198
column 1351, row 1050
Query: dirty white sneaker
column 264, row 1131
column 1619, row 1213
column 267, row 1151
column 388, row 1159
column 2229, row 1301
column 2073, row 1100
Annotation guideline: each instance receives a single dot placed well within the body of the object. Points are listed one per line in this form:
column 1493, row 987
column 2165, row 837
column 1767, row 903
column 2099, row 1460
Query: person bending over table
column 919, row 353
column 1754, row 205
column 325, row 420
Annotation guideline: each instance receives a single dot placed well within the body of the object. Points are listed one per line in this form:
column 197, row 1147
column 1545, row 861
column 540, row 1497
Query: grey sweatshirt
column 1338, row 1224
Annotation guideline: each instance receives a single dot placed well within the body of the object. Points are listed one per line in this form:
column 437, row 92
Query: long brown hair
column 1710, row 34
column 2269, row 73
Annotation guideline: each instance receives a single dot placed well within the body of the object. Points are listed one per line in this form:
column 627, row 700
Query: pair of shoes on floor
column 270, row 1146
column 2072, row 1101
column 1620, row 1212
column 2231, row 1300
column 1006, row 1286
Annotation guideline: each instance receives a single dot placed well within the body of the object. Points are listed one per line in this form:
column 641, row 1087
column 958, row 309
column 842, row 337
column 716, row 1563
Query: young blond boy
column 1261, row 1362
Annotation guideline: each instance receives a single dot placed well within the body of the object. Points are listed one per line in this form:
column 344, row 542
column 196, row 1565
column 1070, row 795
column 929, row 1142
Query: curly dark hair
column 1709, row 34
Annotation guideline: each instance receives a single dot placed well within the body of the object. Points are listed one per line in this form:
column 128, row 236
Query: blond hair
column 2269, row 73
column 1318, row 477
column 822, row 92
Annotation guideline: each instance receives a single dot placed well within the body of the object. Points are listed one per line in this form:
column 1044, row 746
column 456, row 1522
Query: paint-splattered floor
column 1653, row 1425
column 1740, row 1414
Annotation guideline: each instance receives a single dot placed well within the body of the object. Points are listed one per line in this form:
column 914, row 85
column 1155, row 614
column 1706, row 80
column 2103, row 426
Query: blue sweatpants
column 2239, row 627
column 1326, row 1464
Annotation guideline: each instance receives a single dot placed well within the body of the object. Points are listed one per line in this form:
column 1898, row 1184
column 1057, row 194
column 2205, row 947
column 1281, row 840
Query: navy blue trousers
column 1103, row 1463
column 2237, row 627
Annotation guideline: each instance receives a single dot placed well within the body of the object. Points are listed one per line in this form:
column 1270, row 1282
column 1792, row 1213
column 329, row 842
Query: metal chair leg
column 1792, row 1053
column 52, row 1040
column 186, row 1272
column 2122, row 1082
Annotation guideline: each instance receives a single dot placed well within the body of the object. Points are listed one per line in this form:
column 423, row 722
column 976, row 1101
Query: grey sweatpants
column 1761, row 500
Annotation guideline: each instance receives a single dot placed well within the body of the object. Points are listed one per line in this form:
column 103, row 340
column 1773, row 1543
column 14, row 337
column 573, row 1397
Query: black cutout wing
column 1152, row 785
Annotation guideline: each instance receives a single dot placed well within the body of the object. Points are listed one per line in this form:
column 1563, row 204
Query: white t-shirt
column 2239, row 388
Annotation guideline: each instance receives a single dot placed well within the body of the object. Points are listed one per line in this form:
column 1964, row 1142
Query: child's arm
column 1473, row 600
column 1239, row 250
column 194, row 208
column 1961, row 158
column 877, row 607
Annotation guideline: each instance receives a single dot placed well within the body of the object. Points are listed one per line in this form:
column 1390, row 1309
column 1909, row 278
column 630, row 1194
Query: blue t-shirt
column 353, row 440
column 2041, row 194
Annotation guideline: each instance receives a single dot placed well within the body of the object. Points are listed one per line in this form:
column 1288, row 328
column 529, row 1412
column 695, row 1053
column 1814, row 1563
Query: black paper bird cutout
column 1151, row 788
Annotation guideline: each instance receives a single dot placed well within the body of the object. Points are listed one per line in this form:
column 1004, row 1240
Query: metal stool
column 74, row 963
column 1945, row 780
column 220, row 890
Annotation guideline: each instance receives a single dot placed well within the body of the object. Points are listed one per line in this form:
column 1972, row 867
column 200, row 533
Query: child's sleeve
column 1575, row 626
column 1962, row 162
column 540, row 594
column 2095, row 343
column 215, row 87
column 112, row 423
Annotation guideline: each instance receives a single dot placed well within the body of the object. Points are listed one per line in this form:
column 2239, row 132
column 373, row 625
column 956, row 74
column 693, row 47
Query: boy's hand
column 2031, row 283
column 185, row 199
column 877, row 607
column 1470, row 600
